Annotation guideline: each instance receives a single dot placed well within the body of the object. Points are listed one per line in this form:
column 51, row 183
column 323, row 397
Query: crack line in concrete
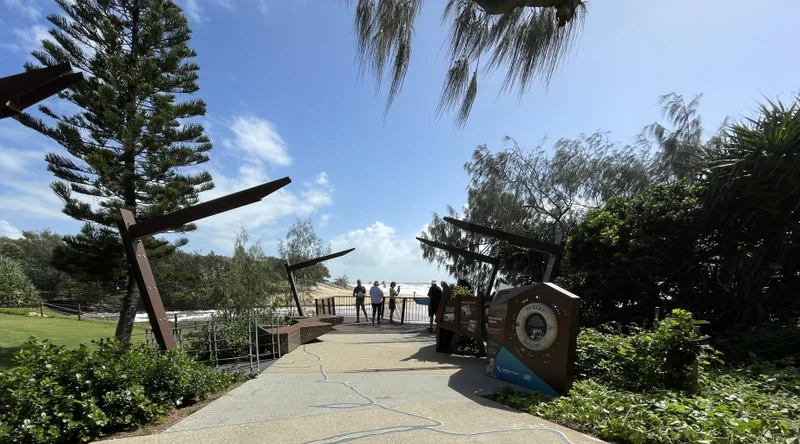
column 354, row 436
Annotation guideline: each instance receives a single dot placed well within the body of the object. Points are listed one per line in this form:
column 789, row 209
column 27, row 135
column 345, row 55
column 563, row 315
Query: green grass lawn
column 16, row 327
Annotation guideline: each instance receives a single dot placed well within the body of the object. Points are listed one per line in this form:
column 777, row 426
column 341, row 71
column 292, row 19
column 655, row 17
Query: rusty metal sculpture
column 132, row 232
column 554, row 250
column 23, row 90
column 531, row 331
column 290, row 269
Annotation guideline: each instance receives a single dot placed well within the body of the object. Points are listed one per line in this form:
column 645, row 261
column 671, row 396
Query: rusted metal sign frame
column 290, row 269
column 23, row 90
column 554, row 250
column 132, row 232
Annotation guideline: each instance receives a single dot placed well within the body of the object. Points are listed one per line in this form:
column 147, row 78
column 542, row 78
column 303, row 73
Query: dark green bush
column 769, row 342
column 731, row 408
column 57, row 395
column 643, row 359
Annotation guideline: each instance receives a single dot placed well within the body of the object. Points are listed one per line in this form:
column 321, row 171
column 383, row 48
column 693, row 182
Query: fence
column 409, row 310
column 223, row 343
column 227, row 342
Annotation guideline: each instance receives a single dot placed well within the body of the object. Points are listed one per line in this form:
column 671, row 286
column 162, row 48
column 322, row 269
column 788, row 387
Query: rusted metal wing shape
column 290, row 269
column 132, row 232
column 460, row 251
column 555, row 250
column 23, row 90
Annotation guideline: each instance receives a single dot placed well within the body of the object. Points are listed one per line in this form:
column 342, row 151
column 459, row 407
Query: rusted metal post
column 79, row 312
column 553, row 262
column 293, row 287
column 41, row 309
column 143, row 274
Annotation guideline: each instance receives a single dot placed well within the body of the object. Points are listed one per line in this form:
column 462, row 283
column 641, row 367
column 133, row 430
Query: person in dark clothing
column 393, row 292
column 360, row 293
column 434, row 298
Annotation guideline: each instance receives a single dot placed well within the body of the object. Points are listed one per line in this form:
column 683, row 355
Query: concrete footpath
column 367, row 384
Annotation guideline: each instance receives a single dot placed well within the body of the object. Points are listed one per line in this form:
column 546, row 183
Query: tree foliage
column 528, row 39
column 250, row 279
column 16, row 290
column 128, row 135
column 726, row 249
column 301, row 244
column 535, row 194
column 638, row 253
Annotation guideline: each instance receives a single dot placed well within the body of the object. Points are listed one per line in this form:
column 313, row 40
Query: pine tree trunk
column 127, row 315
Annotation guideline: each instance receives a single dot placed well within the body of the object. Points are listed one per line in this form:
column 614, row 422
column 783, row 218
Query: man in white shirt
column 376, row 297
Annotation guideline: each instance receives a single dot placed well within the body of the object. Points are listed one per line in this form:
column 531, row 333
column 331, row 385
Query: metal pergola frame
column 23, row 90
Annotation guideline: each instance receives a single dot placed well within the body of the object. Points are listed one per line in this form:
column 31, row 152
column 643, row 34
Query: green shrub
column 57, row 395
column 642, row 360
column 16, row 289
column 234, row 334
column 732, row 408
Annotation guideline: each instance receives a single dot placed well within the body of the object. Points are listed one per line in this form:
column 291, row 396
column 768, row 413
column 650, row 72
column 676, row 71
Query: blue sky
column 284, row 99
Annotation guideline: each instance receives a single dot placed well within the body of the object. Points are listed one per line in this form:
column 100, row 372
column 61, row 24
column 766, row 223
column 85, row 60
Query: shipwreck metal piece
column 555, row 250
column 460, row 251
column 23, row 90
column 132, row 232
column 143, row 274
column 159, row 224
column 290, row 269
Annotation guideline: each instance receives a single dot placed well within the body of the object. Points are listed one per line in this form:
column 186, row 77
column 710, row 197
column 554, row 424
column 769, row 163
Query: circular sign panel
column 537, row 326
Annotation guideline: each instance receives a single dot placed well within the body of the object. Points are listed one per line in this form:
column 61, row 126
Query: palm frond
column 528, row 42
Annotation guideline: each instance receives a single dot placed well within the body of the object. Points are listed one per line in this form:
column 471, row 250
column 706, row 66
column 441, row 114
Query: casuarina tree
column 127, row 138
column 528, row 39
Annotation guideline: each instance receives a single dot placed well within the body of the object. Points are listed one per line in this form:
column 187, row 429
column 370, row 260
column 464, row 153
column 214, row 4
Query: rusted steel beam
column 460, row 251
column 551, row 271
column 22, row 90
column 290, row 269
column 176, row 219
column 315, row 261
column 140, row 265
column 293, row 286
column 514, row 239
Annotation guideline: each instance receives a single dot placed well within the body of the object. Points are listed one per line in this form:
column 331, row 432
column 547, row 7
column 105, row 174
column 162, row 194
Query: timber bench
column 302, row 332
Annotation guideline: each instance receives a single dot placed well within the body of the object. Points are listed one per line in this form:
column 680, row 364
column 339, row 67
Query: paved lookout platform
column 367, row 384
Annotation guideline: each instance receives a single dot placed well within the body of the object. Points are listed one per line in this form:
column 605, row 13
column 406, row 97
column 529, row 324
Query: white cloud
column 8, row 230
column 14, row 161
column 193, row 10
column 323, row 220
column 258, row 139
column 25, row 8
column 29, row 39
column 227, row 4
column 231, row 77
column 262, row 6
column 380, row 252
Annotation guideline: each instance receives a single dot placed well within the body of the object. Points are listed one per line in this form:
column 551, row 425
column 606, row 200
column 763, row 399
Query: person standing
column 360, row 292
column 393, row 293
column 376, row 297
column 434, row 298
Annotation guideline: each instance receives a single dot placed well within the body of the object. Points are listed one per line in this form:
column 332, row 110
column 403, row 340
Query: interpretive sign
column 532, row 333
